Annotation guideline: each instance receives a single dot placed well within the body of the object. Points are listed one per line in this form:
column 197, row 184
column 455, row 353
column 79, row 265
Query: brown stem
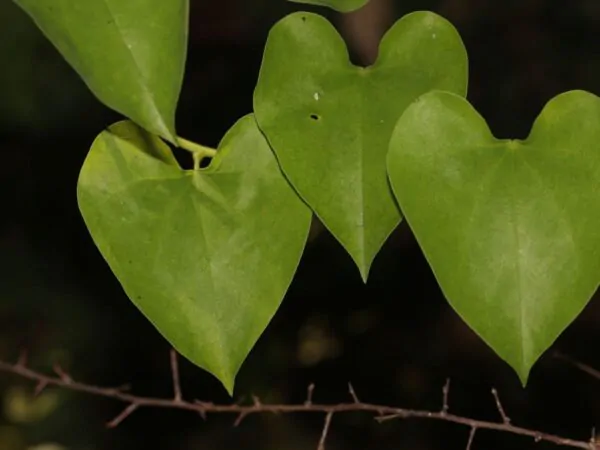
column 383, row 412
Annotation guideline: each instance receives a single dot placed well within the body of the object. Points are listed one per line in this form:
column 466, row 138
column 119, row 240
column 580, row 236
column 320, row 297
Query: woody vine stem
column 382, row 413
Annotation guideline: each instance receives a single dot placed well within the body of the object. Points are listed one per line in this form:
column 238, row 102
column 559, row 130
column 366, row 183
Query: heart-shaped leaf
column 338, row 5
column 511, row 228
column 329, row 122
column 131, row 53
column 206, row 255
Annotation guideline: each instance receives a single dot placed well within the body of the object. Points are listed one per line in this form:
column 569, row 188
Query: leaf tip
column 229, row 386
column 167, row 132
column 362, row 262
column 227, row 379
column 523, row 373
column 364, row 272
column 524, row 378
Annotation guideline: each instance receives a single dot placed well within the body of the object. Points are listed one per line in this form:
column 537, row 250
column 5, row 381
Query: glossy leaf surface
column 130, row 53
column 338, row 5
column 510, row 228
column 206, row 255
column 329, row 122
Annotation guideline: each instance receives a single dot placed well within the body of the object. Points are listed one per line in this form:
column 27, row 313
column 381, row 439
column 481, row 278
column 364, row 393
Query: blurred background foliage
column 395, row 339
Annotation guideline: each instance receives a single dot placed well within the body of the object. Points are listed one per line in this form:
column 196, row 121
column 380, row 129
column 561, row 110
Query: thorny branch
column 382, row 412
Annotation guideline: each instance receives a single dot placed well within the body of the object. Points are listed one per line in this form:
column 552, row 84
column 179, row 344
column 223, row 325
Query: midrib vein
column 519, row 280
column 137, row 67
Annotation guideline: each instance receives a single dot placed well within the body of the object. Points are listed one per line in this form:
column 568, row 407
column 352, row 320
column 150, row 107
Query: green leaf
column 338, row 5
column 511, row 228
column 131, row 54
column 329, row 122
column 206, row 255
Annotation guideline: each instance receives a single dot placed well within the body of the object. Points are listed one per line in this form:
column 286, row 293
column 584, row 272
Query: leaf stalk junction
column 199, row 152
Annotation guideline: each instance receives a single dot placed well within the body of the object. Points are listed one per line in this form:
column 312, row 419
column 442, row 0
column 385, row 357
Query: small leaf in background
column 329, row 122
column 206, row 255
column 511, row 228
column 131, row 53
column 338, row 5
column 23, row 406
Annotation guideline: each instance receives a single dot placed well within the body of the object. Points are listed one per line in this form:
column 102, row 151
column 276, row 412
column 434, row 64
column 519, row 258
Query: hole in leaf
column 315, row 117
column 186, row 160
column 303, row 18
column 183, row 157
column 205, row 163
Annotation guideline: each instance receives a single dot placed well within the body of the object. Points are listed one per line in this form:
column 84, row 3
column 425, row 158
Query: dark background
column 395, row 339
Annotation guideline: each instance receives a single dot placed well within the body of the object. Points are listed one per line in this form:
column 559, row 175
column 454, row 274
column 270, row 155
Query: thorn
column 309, row 394
column 40, row 387
column 326, row 426
column 256, row 401
column 505, row 418
column 121, row 417
column 353, row 393
column 119, row 389
column 240, row 418
column 445, row 394
column 471, row 438
column 123, row 388
column 64, row 376
column 382, row 417
column 22, row 361
column 202, row 404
